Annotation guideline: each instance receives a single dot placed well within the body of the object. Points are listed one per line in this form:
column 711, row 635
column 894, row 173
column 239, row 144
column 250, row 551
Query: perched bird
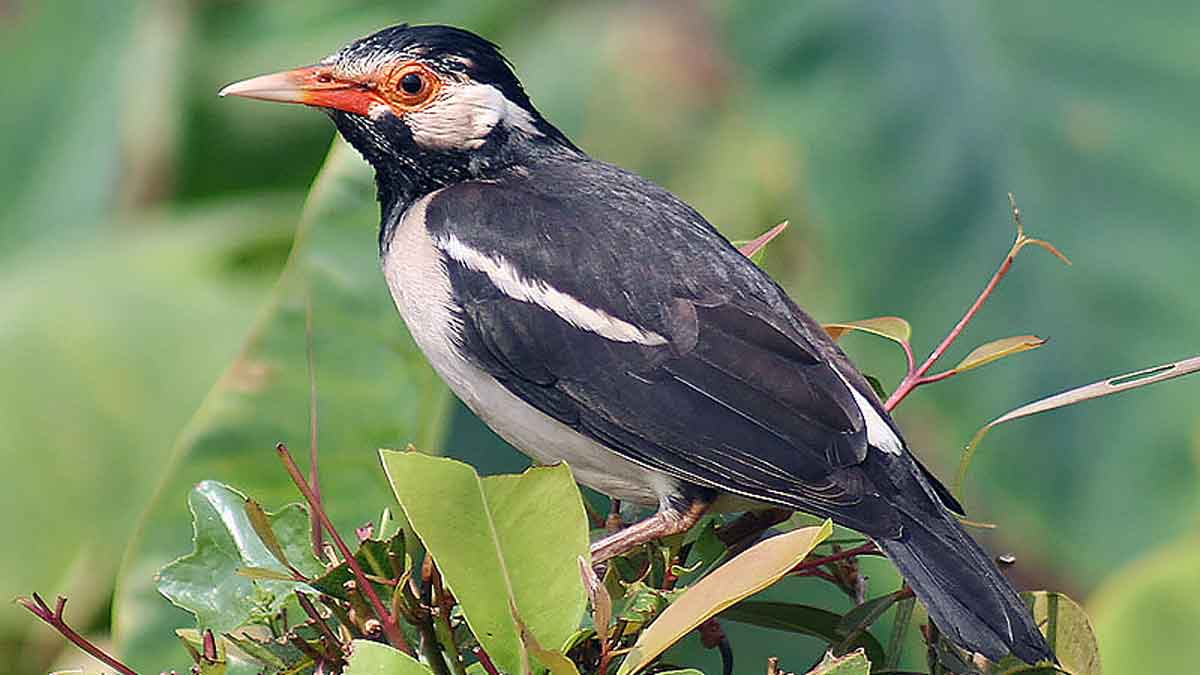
column 590, row 316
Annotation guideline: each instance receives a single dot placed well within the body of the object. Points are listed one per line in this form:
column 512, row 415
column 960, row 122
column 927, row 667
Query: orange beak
column 312, row 85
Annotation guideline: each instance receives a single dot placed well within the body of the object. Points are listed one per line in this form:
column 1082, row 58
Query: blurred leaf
column 891, row 327
column 373, row 658
column 64, row 185
column 998, row 349
column 374, row 389
column 206, row 582
column 1147, row 615
column 754, row 246
column 507, row 546
column 850, row 664
column 746, row 574
column 1068, row 632
column 1113, row 385
column 819, row 623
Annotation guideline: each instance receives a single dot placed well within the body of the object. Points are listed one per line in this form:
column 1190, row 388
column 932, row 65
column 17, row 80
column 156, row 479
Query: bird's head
column 425, row 105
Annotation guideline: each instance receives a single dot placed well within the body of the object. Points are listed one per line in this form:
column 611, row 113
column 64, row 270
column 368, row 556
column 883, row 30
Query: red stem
column 54, row 618
column 486, row 661
column 390, row 626
column 916, row 378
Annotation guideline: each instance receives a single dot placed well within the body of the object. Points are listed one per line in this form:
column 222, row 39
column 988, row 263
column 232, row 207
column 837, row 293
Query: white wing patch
column 516, row 286
column 879, row 432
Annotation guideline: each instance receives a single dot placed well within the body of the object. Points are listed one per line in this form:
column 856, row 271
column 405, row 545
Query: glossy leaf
column 1113, row 385
column 374, row 389
column 373, row 658
column 376, row 559
column 746, row 574
column 802, row 619
column 1068, row 631
column 998, row 349
column 891, row 327
column 505, row 545
column 207, row 582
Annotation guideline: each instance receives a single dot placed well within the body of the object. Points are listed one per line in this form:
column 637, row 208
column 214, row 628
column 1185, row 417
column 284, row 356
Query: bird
column 590, row 316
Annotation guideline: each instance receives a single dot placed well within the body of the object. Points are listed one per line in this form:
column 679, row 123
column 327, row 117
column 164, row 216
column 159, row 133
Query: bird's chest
column 423, row 294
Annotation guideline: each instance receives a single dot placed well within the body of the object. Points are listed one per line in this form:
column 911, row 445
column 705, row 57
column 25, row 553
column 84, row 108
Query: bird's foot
column 662, row 524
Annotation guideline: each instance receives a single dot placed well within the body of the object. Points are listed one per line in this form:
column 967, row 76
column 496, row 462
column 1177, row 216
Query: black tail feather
column 966, row 594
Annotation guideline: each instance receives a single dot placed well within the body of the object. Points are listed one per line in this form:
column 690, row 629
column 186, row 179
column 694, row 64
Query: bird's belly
column 421, row 290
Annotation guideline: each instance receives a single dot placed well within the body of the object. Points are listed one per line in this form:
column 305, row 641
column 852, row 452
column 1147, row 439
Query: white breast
column 421, row 290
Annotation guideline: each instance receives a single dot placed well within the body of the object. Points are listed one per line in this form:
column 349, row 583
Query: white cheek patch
column 513, row 284
column 464, row 114
column 879, row 432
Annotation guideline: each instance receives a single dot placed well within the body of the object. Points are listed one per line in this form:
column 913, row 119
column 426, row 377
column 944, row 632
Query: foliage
column 134, row 262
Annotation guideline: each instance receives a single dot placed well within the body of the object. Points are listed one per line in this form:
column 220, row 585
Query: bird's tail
column 966, row 595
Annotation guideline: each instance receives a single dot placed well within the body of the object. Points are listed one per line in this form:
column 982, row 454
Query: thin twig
column 318, row 541
column 868, row 548
column 444, row 604
column 319, row 621
column 54, row 618
column 917, row 377
column 391, row 628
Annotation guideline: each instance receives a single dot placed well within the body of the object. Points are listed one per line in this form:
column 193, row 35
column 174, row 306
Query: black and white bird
column 590, row 316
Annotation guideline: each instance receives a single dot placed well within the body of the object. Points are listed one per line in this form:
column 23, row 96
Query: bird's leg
column 671, row 520
column 614, row 523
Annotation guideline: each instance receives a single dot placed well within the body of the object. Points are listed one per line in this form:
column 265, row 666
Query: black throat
column 405, row 172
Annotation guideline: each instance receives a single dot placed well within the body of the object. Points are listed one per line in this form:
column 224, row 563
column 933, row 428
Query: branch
column 868, row 548
column 54, row 618
column 391, row 628
column 917, row 377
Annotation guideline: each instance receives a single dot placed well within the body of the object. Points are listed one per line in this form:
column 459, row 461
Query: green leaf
column 850, row 664
column 746, row 574
column 374, row 390
column 891, row 327
column 373, row 658
column 998, row 349
column 1068, row 631
column 375, row 557
column 207, row 582
column 504, row 544
column 228, row 662
column 802, row 619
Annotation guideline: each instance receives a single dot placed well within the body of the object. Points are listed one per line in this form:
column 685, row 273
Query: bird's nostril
column 324, row 78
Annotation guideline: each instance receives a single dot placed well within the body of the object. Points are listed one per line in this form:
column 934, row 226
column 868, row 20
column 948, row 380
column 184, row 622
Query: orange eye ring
column 411, row 86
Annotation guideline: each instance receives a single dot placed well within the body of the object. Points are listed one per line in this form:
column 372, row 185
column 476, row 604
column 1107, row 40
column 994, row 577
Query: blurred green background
column 146, row 222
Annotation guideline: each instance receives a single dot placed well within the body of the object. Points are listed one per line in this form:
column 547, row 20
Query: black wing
column 742, row 395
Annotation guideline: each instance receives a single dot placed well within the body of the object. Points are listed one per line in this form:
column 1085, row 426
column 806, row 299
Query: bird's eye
column 412, row 84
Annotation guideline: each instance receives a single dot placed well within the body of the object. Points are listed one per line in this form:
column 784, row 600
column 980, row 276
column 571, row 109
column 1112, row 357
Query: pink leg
column 661, row 524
